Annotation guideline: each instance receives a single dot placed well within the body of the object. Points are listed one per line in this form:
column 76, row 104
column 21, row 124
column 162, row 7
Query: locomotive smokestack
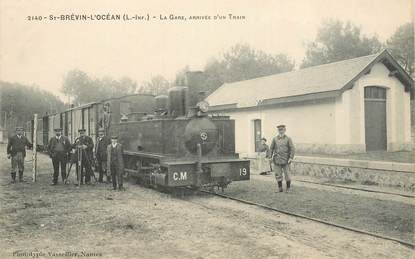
column 178, row 101
column 196, row 82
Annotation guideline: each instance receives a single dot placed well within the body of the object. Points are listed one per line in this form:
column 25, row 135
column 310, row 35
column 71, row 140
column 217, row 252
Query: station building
column 350, row 106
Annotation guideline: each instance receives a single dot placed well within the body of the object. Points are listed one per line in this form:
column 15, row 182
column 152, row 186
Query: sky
column 42, row 52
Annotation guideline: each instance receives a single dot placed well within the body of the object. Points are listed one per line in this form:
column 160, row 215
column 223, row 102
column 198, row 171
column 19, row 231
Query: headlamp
column 203, row 106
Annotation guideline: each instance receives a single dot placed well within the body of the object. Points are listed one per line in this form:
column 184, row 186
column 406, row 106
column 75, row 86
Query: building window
column 375, row 92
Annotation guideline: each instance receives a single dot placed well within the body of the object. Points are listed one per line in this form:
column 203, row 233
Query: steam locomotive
column 181, row 146
column 166, row 142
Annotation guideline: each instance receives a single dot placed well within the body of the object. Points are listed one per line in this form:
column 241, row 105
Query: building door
column 375, row 118
column 257, row 134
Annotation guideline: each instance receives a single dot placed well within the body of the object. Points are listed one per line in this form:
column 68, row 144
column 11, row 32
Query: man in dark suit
column 101, row 155
column 16, row 150
column 59, row 147
column 115, row 163
column 84, row 146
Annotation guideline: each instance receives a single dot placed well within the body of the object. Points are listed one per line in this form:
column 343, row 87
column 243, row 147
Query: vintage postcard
column 207, row 129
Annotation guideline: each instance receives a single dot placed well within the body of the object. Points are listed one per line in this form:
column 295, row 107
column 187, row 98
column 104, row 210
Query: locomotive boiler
column 180, row 146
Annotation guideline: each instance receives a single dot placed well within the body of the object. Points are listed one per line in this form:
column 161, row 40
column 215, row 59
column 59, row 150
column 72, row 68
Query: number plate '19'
column 243, row 171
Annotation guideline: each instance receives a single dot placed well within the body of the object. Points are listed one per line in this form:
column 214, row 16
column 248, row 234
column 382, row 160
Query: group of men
column 107, row 158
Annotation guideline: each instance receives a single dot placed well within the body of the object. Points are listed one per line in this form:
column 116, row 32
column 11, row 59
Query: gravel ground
column 379, row 213
column 143, row 223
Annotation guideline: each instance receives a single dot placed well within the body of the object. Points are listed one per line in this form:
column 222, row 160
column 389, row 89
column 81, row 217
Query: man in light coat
column 282, row 153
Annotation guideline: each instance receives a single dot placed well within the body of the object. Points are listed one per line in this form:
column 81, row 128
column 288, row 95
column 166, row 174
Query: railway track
column 357, row 189
column 403, row 242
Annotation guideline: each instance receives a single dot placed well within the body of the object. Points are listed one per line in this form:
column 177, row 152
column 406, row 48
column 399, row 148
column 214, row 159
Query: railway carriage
column 89, row 117
column 40, row 133
column 81, row 117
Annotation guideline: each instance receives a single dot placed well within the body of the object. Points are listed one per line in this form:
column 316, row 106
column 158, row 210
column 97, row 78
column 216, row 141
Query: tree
column 337, row 41
column 78, row 85
column 157, row 85
column 83, row 89
column 241, row 62
column 401, row 46
column 19, row 103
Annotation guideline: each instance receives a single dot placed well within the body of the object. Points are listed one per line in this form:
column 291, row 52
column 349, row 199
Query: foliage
column 401, row 46
column 84, row 89
column 156, row 86
column 19, row 103
column 240, row 62
column 337, row 41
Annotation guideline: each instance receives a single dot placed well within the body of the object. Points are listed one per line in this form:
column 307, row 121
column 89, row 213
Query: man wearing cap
column 85, row 145
column 16, row 150
column 101, row 155
column 59, row 147
column 282, row 153
column 116, row 163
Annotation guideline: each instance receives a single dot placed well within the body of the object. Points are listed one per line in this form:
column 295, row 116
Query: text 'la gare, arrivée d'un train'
column 134, row 17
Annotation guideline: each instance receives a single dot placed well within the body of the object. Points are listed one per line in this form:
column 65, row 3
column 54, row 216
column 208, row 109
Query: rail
column 403, row 242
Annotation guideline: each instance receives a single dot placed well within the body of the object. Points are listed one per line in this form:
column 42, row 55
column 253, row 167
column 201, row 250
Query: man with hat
column 59, row 147
column 16, row 150
column 282, row 153
column 101, row 155
column 84, row 146
column 116, row 163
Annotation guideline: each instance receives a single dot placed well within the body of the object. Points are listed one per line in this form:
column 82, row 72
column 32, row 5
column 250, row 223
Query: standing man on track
column 282, row 153
column 85, row 145
column 16, row 150
column 101, row 155
column 116, row 163
column 59, row 148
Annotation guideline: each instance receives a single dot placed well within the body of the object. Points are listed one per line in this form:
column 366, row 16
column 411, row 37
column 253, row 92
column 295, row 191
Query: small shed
column 350, row 106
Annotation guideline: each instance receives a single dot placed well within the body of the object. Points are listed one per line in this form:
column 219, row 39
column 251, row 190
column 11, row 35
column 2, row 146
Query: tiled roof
column 317, row 79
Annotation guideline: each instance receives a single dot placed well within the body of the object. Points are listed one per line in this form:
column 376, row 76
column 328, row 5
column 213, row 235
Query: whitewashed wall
column 334, row 125
column 310, row 125
column 398, row 114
